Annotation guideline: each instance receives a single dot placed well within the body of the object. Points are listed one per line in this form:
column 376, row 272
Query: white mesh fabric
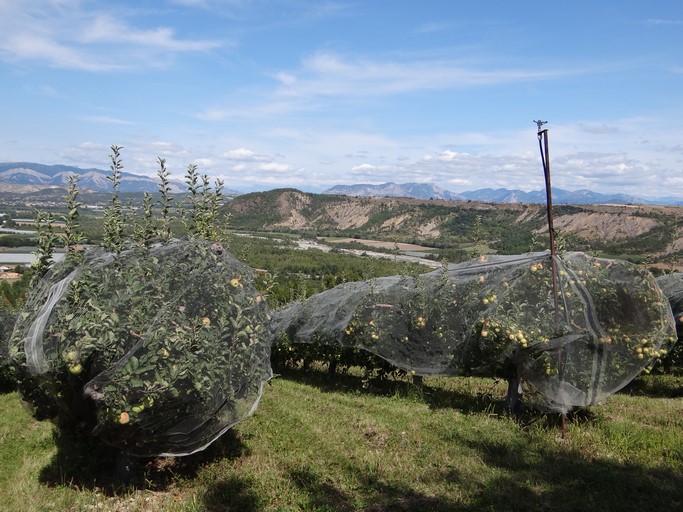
column 158, row 351
column 572, row 343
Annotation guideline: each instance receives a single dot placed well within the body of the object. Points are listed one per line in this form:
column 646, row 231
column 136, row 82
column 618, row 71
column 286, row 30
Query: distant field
column 19, row 258
column 403, row 247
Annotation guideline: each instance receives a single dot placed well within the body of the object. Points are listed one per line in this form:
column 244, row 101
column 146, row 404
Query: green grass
column 332, row 443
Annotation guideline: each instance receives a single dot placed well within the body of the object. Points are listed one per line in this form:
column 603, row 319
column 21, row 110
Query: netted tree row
column 160, row 350
column 672, row 287
column 156, row 351
column 572, row 340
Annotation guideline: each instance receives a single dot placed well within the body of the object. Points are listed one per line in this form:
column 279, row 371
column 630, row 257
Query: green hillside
column 642, row 233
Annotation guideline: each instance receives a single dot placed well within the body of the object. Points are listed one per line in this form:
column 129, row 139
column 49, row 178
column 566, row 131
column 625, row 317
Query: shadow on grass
column 86, row 462
column 529, row 478
column 475, row 400
column 519, row 478
column 232, row 494
column 471, row 401
column 7, row 387
column 656, row 386
column 384, row 496
column 8, row 381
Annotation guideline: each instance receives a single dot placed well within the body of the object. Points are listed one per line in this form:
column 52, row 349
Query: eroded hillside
column 505, row 227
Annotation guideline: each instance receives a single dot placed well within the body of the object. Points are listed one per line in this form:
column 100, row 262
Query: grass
column 333, row 444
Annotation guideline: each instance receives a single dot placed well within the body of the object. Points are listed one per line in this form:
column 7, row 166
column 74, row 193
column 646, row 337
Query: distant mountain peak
column 417, row 190
column 499, row 195
column 28, row 173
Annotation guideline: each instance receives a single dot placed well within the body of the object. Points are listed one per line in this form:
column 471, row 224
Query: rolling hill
column 628, row 230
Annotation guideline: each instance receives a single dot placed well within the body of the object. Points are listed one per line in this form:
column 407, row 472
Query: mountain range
column 500, row 195
column 40, row 175
column 27, row 173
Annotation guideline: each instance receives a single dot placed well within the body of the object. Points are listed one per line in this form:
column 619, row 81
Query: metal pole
column 548, row 191
column 545, row 159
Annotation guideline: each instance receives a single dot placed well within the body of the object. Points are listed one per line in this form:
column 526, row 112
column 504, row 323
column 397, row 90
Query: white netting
column 500, row 316
column 160, row 351
column 155, row 351
column 672, row 287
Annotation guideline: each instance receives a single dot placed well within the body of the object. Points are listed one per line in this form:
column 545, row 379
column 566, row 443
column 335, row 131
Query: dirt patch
column 527, row 215
column 380, row 244
column 395, row 222
column 605, row 226
column 289, row 206
column 678, row 244
column 430, row 229
column 349, row 214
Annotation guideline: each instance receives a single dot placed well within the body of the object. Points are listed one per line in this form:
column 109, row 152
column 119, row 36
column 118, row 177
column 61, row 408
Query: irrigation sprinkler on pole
column 545, row 160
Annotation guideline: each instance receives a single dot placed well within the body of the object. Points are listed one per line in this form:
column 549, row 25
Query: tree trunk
column 513, row 400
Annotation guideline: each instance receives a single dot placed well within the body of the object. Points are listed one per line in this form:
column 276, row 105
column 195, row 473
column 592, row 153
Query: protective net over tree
column 7, row 320
column 500, row 316
column 672, row 286
column 155, row 351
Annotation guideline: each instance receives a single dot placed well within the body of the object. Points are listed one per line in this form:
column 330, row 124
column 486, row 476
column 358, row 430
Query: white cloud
column 107, row 120
column 328, row 74
column 72, row 35
column 323, row 76
column 286, row 78
column 203, row 162
column 167, row 149
column 138, row 156
column 20, row 47
column 275, row 167
column 86, row 154
column 363, row 168
column 457, row 161
column 459, row 182
column 267, row 181
column 242, row 154
column 108, row 29
column 449, row 156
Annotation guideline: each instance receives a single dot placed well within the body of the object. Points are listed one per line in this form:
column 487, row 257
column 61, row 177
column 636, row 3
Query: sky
column 310, row 94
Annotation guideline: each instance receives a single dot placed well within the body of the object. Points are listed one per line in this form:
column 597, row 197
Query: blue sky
column 310, row 94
